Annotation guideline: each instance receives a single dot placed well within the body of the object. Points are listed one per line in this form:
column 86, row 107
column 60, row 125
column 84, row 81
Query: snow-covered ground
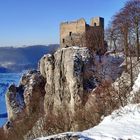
column 5, row 80
column 122, row 124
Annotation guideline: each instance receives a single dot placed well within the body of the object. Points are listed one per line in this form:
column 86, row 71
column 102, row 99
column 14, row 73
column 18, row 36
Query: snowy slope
column 121, row 124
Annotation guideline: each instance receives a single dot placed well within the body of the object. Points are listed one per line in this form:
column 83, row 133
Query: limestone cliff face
column 64, row 81
column 33, row 87
column 68, row 75
column 27, row 98
column 14, row 102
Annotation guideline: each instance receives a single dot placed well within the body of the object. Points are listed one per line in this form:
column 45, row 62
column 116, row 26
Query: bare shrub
column 60, row 121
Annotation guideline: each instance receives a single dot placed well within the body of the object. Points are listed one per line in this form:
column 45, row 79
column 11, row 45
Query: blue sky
column 29, row 22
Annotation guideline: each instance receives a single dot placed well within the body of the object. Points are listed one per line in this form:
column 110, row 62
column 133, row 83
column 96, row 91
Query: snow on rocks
column 135, row 89
column 136, row 86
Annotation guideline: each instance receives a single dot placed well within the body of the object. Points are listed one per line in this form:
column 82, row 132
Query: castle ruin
column 79, row 33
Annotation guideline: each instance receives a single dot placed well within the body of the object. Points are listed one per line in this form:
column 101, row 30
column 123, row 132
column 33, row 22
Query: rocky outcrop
column 64, row 136
column 69, row 76
column 14, row 102
column 27, row 98
column 64, row 82
column 33, row 86
column 24, row 104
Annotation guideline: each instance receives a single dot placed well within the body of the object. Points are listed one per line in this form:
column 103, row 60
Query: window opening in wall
column 70, row 33
column 63, row 40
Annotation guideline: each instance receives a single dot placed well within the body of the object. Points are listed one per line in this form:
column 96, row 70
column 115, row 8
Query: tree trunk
column 131, row 71
column 137, row 41
column 126, row 49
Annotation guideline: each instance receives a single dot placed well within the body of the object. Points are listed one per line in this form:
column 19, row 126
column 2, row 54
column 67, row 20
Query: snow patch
column 135, row 89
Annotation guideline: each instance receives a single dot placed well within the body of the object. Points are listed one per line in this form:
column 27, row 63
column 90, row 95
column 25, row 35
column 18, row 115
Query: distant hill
column 3, row 70
column 17, row 59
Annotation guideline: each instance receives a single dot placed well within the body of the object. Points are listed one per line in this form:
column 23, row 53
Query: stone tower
column 97, row 22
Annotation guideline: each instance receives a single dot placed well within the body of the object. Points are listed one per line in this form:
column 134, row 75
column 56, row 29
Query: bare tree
column 132, row 7
column 112, row 36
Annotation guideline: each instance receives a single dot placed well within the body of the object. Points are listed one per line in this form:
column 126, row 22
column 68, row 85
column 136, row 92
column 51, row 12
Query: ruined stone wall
column 70, row 28
column 73, row 33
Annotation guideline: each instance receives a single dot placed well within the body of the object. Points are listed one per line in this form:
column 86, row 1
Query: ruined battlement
column 73, row 22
